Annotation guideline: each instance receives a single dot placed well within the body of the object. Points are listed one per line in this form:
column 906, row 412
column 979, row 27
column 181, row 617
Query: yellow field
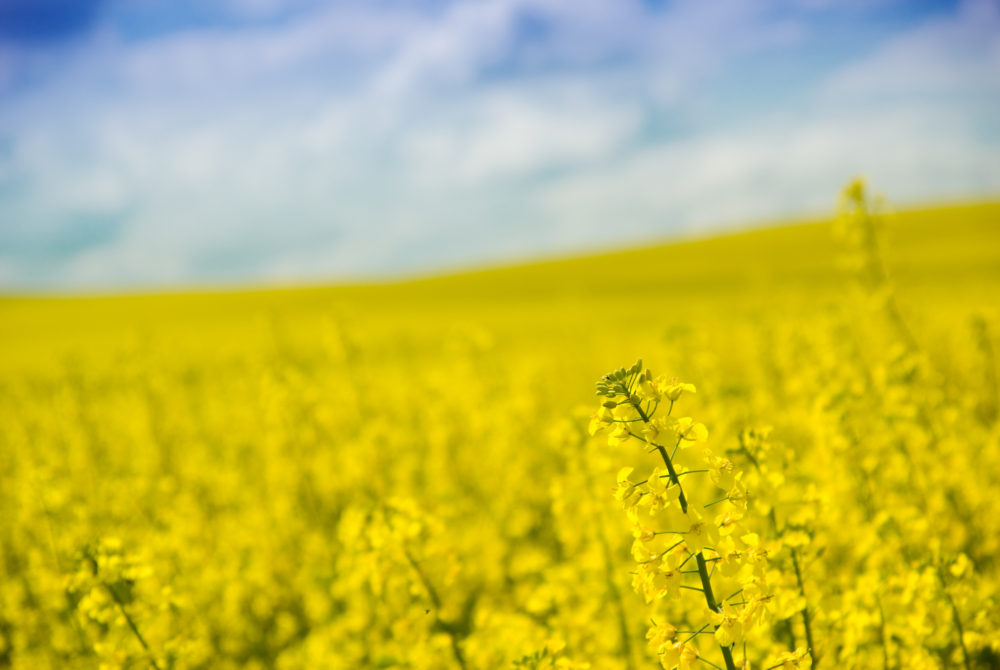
column 401, row 475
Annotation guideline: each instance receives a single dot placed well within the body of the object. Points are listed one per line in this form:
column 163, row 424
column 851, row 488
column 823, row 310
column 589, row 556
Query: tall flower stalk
column 689, row 509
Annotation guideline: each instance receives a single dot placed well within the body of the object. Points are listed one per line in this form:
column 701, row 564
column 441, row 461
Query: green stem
column 131, row 624
column 695, row 634
column 806, row 619
column 882, row 636
column 957, row 619
column 436, row 601
column 706, row 582
column 609, row 576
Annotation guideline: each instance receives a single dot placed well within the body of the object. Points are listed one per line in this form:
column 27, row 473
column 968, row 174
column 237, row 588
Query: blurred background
column 183, row 143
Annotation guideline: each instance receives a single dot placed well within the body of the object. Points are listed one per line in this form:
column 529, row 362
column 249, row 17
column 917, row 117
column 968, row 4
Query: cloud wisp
column 316, row 141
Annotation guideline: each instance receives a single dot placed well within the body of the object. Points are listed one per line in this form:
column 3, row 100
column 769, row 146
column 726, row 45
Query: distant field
column 943, row 260
column 400, row 475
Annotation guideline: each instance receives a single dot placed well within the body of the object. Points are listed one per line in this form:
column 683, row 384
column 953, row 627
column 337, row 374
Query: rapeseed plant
column 675, row 521
column 397, row 476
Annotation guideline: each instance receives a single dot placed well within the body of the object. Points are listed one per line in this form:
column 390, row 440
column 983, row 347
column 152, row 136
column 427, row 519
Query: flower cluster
column 689, row 525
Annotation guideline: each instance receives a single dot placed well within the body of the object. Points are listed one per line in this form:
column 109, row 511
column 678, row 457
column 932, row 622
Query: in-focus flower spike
column 681, row 527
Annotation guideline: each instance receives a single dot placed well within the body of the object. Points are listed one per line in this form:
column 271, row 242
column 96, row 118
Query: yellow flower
column 599, row 420
column 701, row 533
column 673, row 390
column 661, row 636
column 627, row 493
column 619, row 435
column 687, row 429
column 681, row 655
column 790, row 660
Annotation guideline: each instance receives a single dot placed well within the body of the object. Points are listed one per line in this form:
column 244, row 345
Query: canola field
column 420, row 475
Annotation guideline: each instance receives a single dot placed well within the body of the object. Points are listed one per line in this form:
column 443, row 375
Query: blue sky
column 147, row 144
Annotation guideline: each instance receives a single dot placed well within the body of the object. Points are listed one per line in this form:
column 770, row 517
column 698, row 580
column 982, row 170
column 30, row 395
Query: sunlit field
column 419, row 474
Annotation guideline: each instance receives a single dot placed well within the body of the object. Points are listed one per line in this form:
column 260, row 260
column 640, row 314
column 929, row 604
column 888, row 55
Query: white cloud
column 514, row 133
column 909, row 116
column 351, row 140
column 948, row 56
column 779, row 167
